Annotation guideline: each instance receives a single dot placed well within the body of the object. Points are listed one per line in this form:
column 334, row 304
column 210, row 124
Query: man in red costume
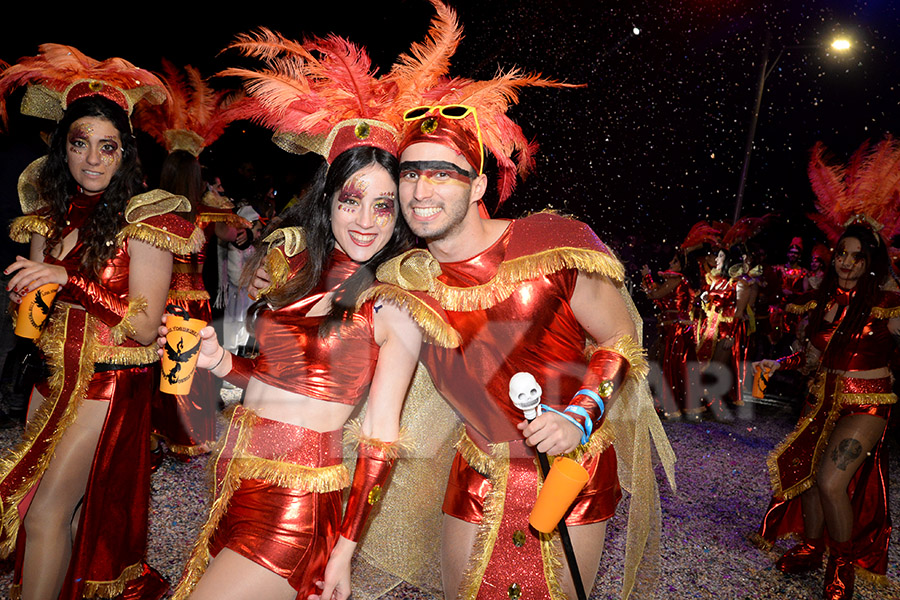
column 541, row 295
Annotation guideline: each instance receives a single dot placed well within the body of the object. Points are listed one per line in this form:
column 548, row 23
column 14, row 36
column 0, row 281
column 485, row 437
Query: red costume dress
column 678, row 353
column 188, row 423
column 718, row 323
column 277, row 491
column 90, row 357
column 835, row 393
column 510, row 305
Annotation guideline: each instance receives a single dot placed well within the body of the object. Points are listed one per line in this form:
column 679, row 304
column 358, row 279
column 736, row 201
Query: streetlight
column 839, row 44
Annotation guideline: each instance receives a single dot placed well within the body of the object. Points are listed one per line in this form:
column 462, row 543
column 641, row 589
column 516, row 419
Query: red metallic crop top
column 869, row 348
column 294, row 356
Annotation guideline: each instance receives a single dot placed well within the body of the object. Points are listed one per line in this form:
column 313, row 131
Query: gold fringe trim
column 631, row 351
column 310, row 479
column 52, row 343
column 278, row 268
column 599, row 441
column 183, row 450
column 111, row 589
column 760, row 542
column 162, row 239
column 216, row 201
column 799, row 309
column 486, row 537
column 188, row 295
column 124, row 328
column 417, row 270
column 204, row 218
column 15, row 592
column 354, row 438
column 477, row 458
column 438, row 331
column 854, row 399
column 818, row 451
column 200, row 555
column 881, row 312
column 125, row 356
column 551, row 558
column 22, row 228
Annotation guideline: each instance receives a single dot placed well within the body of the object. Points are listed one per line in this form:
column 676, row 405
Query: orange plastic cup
column 565, row 480
column 179, row 357
column 34, row 310
column 760, row 381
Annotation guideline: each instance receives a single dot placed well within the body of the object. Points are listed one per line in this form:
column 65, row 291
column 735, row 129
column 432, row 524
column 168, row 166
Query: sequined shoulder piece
column 291, row 239
column 423, row 309
column 888, row 306
column 150, row 219
column 216, row 201
column 29, row 199
column 22, row 228
column 801, row 303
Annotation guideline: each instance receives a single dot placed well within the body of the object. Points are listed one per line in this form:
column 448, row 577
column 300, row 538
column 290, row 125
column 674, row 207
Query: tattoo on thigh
column 845, row 453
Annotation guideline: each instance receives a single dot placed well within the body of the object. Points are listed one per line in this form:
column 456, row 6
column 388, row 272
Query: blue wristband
column 593, row 396
column 588, row 426
column 570, row 419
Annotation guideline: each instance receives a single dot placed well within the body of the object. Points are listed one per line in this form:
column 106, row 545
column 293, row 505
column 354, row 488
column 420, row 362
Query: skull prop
column 525, row 393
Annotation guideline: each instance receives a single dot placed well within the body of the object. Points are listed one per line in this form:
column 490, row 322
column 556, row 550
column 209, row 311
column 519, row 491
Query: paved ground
column 722, row 493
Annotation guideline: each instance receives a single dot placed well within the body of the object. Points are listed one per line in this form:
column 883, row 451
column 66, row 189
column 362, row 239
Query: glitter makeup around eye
column 385, row 209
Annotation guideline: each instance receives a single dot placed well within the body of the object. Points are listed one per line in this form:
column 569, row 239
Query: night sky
column 654, row 142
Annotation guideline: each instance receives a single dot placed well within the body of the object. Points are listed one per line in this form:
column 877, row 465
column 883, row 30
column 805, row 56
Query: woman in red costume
column 674, row 298
column 722, row 329
column 197, row 117
column 75, row 492
column 828, row 476
column 275, row 528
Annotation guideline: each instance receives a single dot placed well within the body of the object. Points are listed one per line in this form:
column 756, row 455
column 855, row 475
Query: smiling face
column 364, row 212
column 93, row 153
column 439, row 190
column 849, row 262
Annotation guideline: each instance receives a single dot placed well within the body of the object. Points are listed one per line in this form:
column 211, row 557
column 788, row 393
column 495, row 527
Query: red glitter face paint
column 385, row 209
column 93, row 153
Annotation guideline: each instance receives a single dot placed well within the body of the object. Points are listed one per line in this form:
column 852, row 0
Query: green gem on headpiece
column 429, row 125
column 362, row 130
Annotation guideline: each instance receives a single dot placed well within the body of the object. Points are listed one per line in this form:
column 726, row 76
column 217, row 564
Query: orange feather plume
column 865, row 190
column 196, row 114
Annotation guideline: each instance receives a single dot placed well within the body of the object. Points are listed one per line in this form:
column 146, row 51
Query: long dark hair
column 56, row 184
column 313, row 213
column 865, row 294
column 180, row 174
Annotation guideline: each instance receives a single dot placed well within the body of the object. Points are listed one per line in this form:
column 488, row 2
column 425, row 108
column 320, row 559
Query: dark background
column 654, row 142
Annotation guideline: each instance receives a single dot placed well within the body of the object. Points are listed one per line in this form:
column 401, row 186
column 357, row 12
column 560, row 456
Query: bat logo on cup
column 42, row 306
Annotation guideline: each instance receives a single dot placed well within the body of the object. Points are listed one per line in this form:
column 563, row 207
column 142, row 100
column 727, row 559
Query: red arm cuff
column 97, row 300
column 607, row 370
column 241, row 371
column 373, row 465
column 792, row 361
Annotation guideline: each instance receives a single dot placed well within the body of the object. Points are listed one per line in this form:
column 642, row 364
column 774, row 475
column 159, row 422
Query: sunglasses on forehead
column 453, row 112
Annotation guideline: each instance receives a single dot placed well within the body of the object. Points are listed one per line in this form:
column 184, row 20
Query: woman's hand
column 211, row 352
column 337, row 572
column 30, row 275
column 767, row 364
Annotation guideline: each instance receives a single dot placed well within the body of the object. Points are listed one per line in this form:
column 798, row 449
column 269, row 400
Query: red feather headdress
column 744, row 229
column 60, row 74
column 866, row 190
column 421, row 77
column 196, row 114
column 321, row 95
column 701, row 233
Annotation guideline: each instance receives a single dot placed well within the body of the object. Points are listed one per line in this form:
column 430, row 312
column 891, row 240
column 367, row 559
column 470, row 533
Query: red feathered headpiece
column 701, row 233
column 866, row 190
column 195, row 116
column 744, row 229
column 421, row 77
column 59, row 75
column 320, row 95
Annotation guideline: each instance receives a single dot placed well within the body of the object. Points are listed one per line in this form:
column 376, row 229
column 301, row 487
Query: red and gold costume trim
column 270, row 451
column 22, row 228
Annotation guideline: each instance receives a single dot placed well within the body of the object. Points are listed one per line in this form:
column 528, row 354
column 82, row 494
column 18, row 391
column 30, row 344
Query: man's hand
column 551, row 433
